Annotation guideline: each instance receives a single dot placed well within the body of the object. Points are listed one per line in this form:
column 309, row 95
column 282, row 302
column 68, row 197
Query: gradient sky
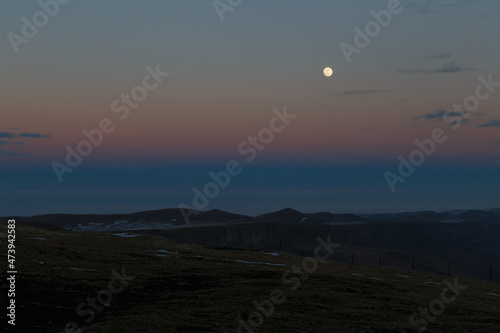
column 225, row 79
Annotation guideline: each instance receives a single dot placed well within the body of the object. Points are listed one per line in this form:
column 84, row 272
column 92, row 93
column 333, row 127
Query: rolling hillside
column 172, row 287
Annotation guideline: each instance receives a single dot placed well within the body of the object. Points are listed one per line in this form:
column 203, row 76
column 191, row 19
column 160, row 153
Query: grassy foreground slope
column 187, row 288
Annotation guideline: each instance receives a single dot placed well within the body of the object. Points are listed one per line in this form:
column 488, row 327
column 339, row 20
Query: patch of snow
column 162, row 251
column 304, row 219
column 257, row 262
column 375, row 278
column 272, row 253
column 242, row 261
column 40, row 238
column 125, row 235
column 346, row 223
column 168, row 252
column 121, row 226
column 491, row 294
column 82, row 269
column 434, row 283
column 201, row 257
column 402, row 275
column 38, row 261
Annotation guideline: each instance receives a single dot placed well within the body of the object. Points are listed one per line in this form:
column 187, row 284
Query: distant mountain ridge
column 467, row 238
column 492, row 215
column 155, row 219
column 174, row 217
column 292, row 215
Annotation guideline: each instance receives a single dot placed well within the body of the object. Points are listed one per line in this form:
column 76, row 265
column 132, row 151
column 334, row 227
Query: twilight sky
column 344, row 133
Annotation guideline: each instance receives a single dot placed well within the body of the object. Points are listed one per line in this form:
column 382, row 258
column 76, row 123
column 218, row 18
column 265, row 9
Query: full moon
column 328, row 71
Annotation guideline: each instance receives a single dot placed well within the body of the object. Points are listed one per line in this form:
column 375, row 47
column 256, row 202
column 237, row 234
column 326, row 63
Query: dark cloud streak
column 439, row 114
column 450, row 68
column 8, row 136
column 493, row 123
column 33, row 135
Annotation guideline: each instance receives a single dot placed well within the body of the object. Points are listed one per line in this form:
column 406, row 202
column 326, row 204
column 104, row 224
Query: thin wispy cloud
column 7, row 135
column 450, row 68
column 33, row 135
column 6, row 142
column 12, row 139
column 10, row 135
column 493, row 123
column 363, row 92
column 451, row 117
column 458, row 3
column 439, row 114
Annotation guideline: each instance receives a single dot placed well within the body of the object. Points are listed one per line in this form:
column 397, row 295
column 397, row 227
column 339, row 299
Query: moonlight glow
column 327, row 72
